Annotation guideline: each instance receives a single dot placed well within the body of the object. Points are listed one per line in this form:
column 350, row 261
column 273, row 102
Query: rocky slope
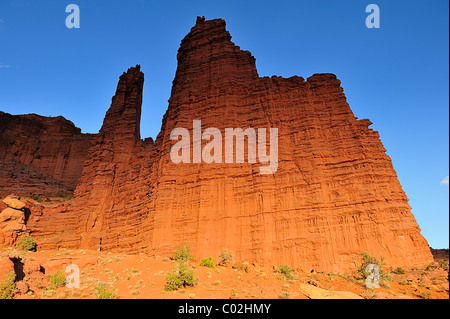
column 334, row 194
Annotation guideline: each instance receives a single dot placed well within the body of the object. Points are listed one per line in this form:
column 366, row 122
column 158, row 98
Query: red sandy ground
column 141, row 276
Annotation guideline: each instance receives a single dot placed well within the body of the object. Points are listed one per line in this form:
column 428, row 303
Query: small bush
column 207, row 262
column 367, row 260
column 285, row 295
column 183, row 254
column 399, row 271
column 443, row 263
column 424, row 295
column 181, row 277
column 48, row 293
column 286, row 271
column 225, row 258
column 104, row 291
column 60, row 194
column 38, row 198
column 429, row 267
column 8, row 286
column 27, row 243
column 134, row 273
column 57, row 280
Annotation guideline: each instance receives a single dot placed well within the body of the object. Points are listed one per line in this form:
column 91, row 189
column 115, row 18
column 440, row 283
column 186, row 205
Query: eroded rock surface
column 335, row 192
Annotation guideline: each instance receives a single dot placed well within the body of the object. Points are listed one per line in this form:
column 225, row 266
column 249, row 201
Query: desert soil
column 143, row 276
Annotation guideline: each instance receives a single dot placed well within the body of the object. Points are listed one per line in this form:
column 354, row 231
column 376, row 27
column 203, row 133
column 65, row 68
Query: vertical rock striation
column 335, row 192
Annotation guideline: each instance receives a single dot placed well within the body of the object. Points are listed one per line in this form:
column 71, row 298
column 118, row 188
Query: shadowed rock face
column 335, row 192
column 40, row 155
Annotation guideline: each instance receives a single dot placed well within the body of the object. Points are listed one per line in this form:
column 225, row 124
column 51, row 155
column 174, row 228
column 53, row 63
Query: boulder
column 14, row 203
column 12, row 220
column 22, row 287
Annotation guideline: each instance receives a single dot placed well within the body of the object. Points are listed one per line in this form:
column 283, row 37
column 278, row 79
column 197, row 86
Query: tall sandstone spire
column 335, row 192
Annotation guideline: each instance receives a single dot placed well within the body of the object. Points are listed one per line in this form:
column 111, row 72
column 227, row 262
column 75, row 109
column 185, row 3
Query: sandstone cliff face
column 12, row 220
column 40, row 155
column 335, row 192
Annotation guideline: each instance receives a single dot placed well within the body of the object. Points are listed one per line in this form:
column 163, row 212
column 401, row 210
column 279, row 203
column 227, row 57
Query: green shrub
column 8, row 286
column 104, row 291
column 225, row 257
column 285, row 295
column 399, row 271
column 181, row 277
column 48, row 293
column 38, row 198
column 443, row 263
column 429, row 267
column 286, row 271
column 183, row 254
column 57, row 280
column 424, row 295
column 207, row 262
column 368, row 260
column 27, row 243
column 59, row 194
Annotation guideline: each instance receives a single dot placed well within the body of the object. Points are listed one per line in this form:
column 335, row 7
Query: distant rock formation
column 40, row 155
column 335, row 192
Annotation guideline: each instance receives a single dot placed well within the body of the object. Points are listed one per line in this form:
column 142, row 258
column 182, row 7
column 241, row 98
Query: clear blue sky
column 397, row 75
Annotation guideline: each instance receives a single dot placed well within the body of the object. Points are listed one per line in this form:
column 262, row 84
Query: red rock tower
column 334, row 195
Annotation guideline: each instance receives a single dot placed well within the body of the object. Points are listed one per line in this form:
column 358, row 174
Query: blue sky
column 397, row 75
